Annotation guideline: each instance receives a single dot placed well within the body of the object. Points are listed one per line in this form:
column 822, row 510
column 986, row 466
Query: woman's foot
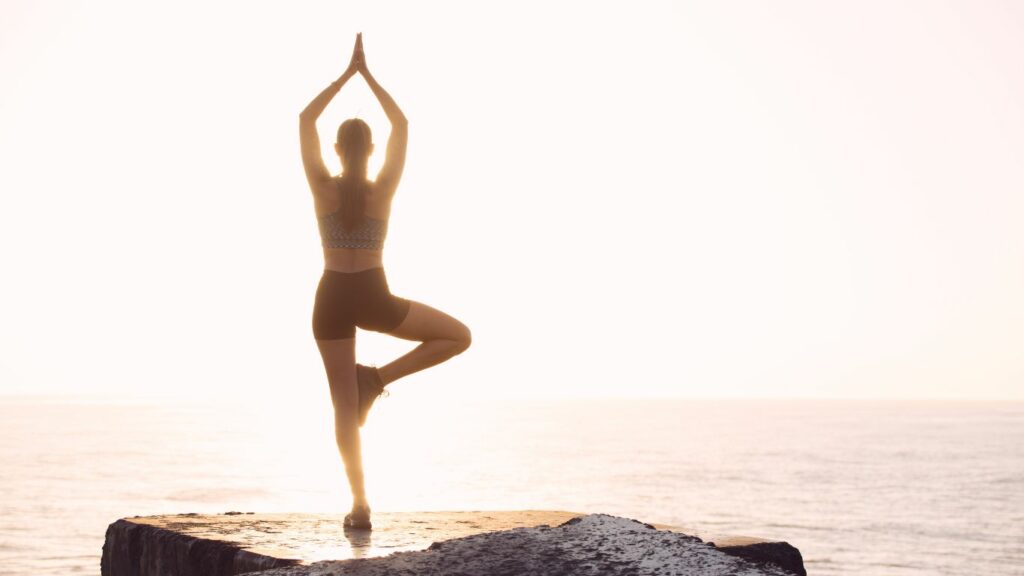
column 370, row 387
column 358, row 518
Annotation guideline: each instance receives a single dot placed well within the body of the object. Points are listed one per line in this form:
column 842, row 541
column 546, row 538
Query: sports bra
column 369, row 234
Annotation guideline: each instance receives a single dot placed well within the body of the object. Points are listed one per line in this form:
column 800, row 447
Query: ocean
column 860, row 487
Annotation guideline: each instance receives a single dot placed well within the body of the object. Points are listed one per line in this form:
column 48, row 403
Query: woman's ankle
column 384, row 375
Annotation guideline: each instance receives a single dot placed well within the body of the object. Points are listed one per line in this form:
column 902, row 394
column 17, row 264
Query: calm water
column 894, row 488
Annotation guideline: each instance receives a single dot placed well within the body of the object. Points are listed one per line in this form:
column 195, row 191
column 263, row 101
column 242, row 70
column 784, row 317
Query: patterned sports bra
column 368, row 235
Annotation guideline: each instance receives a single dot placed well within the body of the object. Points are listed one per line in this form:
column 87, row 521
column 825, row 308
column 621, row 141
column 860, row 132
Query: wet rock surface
column 466, row 542
column 595, row 544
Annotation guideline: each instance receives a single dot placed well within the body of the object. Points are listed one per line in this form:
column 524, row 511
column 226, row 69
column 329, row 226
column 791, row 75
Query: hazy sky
column 767, row 199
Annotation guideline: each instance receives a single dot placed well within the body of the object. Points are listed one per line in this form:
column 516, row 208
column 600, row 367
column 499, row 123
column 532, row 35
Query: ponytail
column 354, row 139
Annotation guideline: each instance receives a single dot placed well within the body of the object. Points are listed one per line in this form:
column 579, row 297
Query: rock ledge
column 489, row 542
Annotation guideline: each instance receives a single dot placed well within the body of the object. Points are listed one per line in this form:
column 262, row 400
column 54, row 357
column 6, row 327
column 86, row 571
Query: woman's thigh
column 427, row 323
column 334, row 306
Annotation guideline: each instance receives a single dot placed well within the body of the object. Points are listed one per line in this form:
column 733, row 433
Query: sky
column 646, row 199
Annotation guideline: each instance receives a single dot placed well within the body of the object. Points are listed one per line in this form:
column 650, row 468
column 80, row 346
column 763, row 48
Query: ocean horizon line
column 257, row 399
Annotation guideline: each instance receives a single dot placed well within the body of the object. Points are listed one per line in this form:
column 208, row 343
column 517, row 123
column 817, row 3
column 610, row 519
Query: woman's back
column 361, row 247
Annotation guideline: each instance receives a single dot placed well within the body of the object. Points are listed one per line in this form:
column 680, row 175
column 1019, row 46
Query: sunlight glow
column 659, row 199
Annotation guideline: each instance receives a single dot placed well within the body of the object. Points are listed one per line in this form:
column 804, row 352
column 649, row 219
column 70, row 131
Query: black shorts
column 345, row 300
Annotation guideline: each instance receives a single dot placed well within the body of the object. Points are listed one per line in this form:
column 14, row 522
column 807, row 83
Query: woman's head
column 354, row 146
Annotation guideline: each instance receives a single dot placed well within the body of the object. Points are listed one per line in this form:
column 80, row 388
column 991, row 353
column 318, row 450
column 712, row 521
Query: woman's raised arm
column 394, row 161
column 309, row 139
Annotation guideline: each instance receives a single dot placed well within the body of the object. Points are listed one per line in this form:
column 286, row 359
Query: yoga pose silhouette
column 352, row 214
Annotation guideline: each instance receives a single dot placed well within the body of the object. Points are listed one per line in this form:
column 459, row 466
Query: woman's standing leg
column 441, row 337
column 340, row 362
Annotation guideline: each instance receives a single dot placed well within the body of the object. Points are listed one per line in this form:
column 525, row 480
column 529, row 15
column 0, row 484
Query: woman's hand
column 361, row 61
column 355, row 64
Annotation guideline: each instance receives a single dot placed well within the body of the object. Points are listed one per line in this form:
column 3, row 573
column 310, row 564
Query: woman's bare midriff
column 352, row 259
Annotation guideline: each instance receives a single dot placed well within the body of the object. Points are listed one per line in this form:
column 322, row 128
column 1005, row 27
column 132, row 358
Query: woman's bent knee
column 464, row 340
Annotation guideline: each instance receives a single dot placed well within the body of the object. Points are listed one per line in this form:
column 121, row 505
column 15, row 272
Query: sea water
column 860, row 487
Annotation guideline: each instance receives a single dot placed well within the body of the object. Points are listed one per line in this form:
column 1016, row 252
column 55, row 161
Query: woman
column 352, row 213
